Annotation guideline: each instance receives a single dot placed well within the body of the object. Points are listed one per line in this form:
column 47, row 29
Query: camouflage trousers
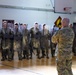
column 35, row 44
column 26, row 51
column 64, row 64
column 44, row 46
column 18, row 48
column 7, row 51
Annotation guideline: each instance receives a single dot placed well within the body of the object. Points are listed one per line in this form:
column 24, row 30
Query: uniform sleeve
column 55, row 37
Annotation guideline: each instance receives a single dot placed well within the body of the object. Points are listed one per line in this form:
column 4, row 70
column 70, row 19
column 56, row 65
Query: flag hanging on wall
column 58, row 22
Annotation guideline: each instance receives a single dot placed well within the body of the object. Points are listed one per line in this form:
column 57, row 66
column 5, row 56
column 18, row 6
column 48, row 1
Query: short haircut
column 66, row 19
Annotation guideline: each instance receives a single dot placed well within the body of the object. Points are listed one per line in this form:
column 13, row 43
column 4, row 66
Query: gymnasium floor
column 31, row 67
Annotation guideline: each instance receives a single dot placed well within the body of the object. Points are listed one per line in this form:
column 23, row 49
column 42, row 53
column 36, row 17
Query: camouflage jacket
column 5, row 35
column 64, row 38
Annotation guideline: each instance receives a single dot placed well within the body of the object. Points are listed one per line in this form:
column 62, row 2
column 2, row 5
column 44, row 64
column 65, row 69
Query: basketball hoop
column 67, row 9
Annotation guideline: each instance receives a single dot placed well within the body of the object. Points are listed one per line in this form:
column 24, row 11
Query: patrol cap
column 4, row 21
column 44, row 24
column 16, row 24
column 36, row 23
column 25, row 24
column 21, row 24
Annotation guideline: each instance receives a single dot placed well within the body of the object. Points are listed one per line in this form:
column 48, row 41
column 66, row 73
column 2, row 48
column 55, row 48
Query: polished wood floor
column 33, row 66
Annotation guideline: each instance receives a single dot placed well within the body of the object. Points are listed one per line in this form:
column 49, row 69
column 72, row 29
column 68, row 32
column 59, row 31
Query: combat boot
column 23, row 57
column 39, row 57
column 3, row 59
column 42, row 56
column 47, row 57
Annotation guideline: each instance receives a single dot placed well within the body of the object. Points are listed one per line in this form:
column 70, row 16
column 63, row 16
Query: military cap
column 21, row 24
column 16, row 24
column 4, row 21
column 44, row 24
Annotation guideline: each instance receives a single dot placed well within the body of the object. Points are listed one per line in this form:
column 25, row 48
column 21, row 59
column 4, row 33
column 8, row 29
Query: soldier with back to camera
column 64, row 39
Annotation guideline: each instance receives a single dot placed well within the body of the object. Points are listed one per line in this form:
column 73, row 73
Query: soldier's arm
column 55, row 37
column 11, row 34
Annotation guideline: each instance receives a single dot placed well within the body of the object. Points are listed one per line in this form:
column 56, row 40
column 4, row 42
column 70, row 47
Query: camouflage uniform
column 35, row 41
column 64, row 38
column 25, row 43
column 12, row 47
column 44, row 42
column 52, row 46
column 31, row 37
column 18, row 43
column 74, row 46
column 6, row 43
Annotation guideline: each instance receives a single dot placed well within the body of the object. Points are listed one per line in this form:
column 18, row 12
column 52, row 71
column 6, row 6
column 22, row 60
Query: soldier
column 25, row 41
column 44, row 41
column 36, row 42
column 18, row 41
column 6, row 42
column 12, row 41
column 64, row 39
column 74, row 41
column 31, row 37
column 35, row 39
column 53, row 45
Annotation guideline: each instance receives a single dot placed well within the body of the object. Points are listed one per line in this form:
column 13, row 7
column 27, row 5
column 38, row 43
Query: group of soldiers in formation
column 24, row 42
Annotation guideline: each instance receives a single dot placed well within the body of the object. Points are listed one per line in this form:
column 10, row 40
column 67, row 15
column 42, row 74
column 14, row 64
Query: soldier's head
column 16, row 26
column 70, row 25
column 36, row 25
column 44, row 26
column 65, row 22
column 4, row 24
column 25, row 26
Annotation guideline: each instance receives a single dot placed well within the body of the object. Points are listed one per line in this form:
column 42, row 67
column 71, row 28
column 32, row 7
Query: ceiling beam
column 26, row 8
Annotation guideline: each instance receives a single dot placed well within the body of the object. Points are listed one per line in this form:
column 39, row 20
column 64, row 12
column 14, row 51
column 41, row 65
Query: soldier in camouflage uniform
column 44, row 42
column 35, row 40
column 11, row 41
column 53, row 45
column 31, row 38
column 64, row 39
column 25, row 42
column 18, row 41
column 6, row 42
